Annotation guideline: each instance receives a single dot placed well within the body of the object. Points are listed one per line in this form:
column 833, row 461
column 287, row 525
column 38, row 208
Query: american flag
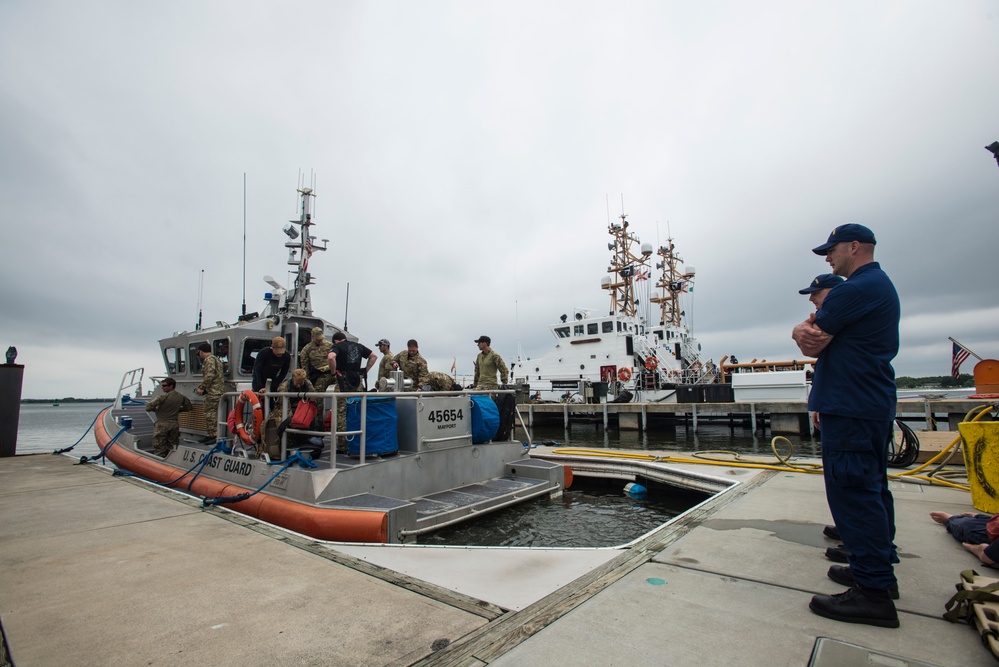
column 454, row 365
column 958, row 355
column 306, row 253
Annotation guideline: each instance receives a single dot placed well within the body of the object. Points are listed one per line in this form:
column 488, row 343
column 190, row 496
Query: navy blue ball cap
column 851, row 231
column 824, row 281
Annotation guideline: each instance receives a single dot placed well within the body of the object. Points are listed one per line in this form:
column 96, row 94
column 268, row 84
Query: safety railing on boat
column 334, row 399
column 131, row 384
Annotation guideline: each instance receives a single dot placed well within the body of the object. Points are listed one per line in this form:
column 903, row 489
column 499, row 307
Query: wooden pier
column 790, row 417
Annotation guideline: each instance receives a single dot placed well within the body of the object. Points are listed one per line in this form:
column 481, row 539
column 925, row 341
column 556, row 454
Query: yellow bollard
column 981, row 459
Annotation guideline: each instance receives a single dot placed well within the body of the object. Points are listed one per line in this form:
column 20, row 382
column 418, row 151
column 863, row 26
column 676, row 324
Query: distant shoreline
column 66, row 400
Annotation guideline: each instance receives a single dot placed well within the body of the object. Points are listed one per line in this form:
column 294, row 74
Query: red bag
column 305, row 413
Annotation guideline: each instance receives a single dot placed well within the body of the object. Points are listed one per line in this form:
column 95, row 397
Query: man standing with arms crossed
column 854, row 336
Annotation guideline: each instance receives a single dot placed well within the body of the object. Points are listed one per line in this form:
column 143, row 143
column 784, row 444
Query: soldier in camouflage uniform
column 487, row 364
column 442, row 382
column 166, row 433
column 212, row 387
column 413, row 365
column 312, row 359
column 387, row 364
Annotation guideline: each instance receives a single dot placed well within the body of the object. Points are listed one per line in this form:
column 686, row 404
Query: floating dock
column 100, row 570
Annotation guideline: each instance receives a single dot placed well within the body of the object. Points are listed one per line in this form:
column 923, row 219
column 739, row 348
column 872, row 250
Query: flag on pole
column 306, row 253
column 454, row 366
column 958, row 355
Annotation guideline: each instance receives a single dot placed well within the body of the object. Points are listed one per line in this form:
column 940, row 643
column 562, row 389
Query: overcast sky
column 466, row 157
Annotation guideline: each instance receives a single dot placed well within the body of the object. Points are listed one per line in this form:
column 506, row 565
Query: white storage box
column 770, row 386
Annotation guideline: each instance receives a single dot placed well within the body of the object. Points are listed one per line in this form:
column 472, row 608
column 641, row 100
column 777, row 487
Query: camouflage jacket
column 415, row 368
column 440, row 381
column 168, row 405
column 487, row 364
column 385, row 366
column 313, row 357
column 212, row 376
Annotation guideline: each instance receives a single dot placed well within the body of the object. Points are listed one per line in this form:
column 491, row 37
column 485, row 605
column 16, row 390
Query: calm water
column 43, row 427
column 592, row 513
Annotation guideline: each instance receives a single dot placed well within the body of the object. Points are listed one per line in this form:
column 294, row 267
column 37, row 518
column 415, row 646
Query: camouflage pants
column 323, row 381
column 166, row 436
column 211, row 406
column 341, row 417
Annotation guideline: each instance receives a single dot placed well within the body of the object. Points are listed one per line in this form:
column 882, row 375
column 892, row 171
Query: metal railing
column 334, row 399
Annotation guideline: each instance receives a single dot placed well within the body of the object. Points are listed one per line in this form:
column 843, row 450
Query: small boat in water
column 641, row 350
column 417, row 461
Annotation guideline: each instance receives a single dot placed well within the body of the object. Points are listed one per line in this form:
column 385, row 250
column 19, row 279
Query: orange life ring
column 624, row 374
column 249, row 437
column 651, row 363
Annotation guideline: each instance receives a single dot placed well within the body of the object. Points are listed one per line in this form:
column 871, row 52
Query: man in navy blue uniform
column 854, row 336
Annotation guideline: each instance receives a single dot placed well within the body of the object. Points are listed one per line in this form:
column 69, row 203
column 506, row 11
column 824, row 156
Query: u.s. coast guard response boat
column 437, row 462
column 642, row 349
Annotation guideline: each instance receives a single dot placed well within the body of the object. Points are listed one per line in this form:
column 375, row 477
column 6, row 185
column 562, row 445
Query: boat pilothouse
column 287, row 313
column 642, row 349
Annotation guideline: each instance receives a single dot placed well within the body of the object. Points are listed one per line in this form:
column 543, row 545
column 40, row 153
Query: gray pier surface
column 99, row 570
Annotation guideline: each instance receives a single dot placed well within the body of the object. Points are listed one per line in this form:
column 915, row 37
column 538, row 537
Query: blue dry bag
column 485, row 419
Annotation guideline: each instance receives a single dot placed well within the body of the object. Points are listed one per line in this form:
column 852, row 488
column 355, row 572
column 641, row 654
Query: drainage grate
column 834, row 653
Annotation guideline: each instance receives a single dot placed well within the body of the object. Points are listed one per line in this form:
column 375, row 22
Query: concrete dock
column 100, row 570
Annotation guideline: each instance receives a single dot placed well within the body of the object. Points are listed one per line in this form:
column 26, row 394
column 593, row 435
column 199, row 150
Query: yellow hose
column 914, row 473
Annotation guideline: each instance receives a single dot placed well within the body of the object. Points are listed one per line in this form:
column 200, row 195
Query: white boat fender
column 635, row 490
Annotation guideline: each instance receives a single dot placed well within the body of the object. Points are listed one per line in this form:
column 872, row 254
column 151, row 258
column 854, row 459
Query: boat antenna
column 201, row 291
column 346, row 303
column 244, row 247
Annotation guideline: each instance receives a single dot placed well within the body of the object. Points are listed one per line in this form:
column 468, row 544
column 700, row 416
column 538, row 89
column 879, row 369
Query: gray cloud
column 468, row 158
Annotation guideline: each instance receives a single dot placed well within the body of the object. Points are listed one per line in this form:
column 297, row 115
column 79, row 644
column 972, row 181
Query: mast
column 625, row 267
column 671, row 284
column 301, row 244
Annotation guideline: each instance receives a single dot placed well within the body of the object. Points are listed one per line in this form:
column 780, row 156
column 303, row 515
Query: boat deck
column 433, row 498
column 107, row 571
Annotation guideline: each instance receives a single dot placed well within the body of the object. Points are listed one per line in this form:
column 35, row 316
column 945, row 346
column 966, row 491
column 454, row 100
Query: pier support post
column 627, row 421
column 645, row 418
column 693, row 413
column 786, row 423
column 605, row 416
column 11, row 379
column 752, row 416
column 565, row 415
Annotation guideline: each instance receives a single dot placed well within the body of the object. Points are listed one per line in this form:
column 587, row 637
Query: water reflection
column 597, row 512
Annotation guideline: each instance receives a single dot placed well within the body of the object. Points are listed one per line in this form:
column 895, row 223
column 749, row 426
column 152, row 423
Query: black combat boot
column 832, row 532
column 838, row 554
column 844, row 575
column 857, row 605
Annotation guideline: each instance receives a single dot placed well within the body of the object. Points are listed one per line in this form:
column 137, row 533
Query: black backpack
column 507, row 406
